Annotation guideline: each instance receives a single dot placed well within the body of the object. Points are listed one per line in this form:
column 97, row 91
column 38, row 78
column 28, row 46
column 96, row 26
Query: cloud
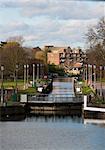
column 48, row 31
column 40, row 22
column 62, row 9
column 13, row 27
column 22, row 3
column 66, row 32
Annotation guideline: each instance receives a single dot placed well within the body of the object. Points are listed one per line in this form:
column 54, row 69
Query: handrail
column 54, row 98
column 43, row 95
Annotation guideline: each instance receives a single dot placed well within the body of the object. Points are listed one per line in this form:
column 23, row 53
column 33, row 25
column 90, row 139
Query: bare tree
column 40, row 55
column 96, row 34
column 96, row 40
column 18, row 39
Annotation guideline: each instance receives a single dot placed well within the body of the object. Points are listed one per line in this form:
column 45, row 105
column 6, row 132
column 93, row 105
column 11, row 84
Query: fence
column 54, row 98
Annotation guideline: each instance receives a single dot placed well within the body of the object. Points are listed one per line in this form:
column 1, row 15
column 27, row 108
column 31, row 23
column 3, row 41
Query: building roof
column 77, row 65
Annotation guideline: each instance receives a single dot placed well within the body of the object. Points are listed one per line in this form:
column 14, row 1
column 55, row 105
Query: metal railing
column 55, row 98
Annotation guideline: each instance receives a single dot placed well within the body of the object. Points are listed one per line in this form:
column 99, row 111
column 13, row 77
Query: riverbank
column 14, row 112
column 94, row 105
column 51, row 103
column 11, row 106
column 53, row 106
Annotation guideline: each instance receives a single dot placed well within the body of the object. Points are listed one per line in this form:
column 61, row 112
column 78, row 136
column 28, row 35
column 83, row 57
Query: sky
column 49, row 22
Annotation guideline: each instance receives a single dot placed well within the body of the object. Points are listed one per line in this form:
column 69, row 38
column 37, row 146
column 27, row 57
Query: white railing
column 91, row 108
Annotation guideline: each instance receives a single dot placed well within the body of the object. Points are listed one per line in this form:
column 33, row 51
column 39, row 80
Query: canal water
column 63, row 86
column 53, row 132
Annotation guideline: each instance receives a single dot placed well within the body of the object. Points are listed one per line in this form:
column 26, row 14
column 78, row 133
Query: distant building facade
column 71, row 59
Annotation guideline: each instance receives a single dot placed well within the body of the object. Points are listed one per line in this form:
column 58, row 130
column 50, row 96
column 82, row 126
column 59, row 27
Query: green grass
column 10, row 103
column 20, row 86
column 100, row 101
column 12, row 84
column 30, row 90
column 103, row 80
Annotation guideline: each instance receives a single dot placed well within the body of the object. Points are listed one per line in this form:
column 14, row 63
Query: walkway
column 98, row 86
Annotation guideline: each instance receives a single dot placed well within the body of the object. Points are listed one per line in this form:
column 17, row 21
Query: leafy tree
column 13, row 54
column 56, row 69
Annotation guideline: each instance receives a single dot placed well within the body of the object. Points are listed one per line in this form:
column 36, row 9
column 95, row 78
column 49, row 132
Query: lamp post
column 27, row 74
column 16, row 78
column 94, row 68
column 41, row 70
column 86, row 73
column 16, row 71
column 37, row 71
column 90, row 74
column 33, row 75
column 101, row 81
column 104, row 71
column 2, row 94
column 24, row 77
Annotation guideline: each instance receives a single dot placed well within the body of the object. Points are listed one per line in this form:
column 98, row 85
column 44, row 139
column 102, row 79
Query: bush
column 86, row 90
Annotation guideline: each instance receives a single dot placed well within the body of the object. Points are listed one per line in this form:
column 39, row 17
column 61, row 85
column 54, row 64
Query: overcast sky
column 45, row 22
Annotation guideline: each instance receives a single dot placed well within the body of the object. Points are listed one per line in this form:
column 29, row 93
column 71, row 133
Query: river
column 53, row 132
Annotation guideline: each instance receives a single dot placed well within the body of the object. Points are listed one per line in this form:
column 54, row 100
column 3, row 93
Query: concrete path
column 98, row 86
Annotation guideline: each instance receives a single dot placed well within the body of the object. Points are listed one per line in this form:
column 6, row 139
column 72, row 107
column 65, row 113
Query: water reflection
column 52, row 131
column 62, row 86
column 13, row 117
column 54, row 118
column 99, row 122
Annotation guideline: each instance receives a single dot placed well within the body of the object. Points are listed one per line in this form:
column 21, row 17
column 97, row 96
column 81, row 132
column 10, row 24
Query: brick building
column 70, row 59
column 58, row 55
